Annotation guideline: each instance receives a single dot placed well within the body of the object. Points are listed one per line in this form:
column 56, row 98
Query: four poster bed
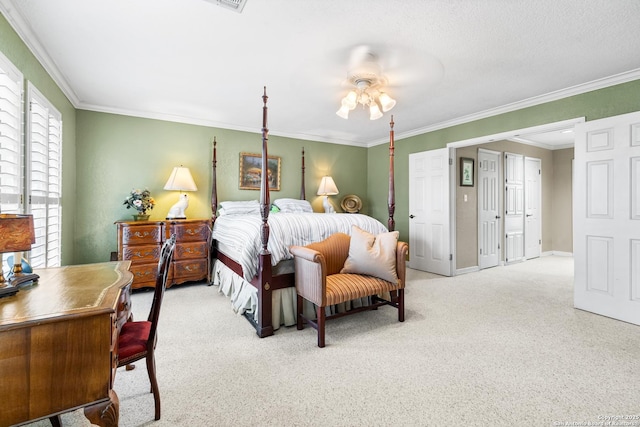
column 251, row 262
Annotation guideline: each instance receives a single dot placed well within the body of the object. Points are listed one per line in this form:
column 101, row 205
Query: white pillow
column 293, row 205
column 372, row 255
column 239, row 208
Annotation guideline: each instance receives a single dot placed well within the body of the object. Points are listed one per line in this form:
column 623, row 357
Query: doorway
column 556, row 162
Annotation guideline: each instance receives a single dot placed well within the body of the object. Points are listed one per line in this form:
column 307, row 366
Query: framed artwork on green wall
column 466, row 172
column 251, row 171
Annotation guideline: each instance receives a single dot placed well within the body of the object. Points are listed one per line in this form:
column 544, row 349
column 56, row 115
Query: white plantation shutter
column 11, row 160
column 44, row 148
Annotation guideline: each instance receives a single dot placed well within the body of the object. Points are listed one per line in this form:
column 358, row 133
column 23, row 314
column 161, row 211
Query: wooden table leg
column 105, row 414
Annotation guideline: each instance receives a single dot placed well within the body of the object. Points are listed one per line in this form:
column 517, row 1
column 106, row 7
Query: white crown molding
column 23, row 29
column 540, row 144
column 529, row 102
column 514, row 133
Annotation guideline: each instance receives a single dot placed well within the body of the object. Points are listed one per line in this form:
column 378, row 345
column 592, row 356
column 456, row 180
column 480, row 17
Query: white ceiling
column 447, row 62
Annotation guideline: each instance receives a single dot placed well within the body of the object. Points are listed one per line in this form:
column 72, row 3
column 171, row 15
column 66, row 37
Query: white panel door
column 532, row 197
column 606, row 217
column 514, row 208
column 429, row 224
column 488, row 208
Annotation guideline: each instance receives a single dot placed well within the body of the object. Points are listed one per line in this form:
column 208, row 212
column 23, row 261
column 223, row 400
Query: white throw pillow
column 372, row 255
column 239, row 208
column 293, row 205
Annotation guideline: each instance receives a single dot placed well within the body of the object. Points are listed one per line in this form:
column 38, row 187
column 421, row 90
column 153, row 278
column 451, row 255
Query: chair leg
column 400, row 305
column 56, row 421
column 321, row 322
column 299, row 307
column 151, row 369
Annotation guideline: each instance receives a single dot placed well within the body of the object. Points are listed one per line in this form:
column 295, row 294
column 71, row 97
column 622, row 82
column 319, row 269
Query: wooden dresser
column 141, row 241
column 58, row 343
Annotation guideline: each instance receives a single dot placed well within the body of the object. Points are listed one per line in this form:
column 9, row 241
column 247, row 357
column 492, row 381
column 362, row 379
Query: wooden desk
column 58, row 343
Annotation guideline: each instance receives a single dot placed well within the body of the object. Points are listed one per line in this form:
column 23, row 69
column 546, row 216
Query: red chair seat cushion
column 132, row 343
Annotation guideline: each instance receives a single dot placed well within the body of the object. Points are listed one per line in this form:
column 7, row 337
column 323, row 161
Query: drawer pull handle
column 139, row 234
column 142, row 254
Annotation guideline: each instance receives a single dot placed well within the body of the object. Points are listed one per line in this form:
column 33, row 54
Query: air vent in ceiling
column 235, row 5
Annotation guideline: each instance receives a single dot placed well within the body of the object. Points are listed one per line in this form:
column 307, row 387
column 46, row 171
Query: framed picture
column 466, row 172
column 251, row 171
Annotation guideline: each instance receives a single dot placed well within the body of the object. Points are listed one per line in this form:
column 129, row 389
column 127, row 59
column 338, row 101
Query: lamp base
column 328, row 207
column 7, row 291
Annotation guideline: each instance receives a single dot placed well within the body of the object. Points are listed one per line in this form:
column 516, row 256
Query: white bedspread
column 242, row 233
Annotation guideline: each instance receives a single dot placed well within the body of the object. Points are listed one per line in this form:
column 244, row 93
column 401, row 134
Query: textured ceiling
column 446, row 61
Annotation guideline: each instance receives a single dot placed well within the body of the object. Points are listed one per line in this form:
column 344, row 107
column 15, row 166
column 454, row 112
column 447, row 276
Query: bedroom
column 97, row 143
column 125, row 151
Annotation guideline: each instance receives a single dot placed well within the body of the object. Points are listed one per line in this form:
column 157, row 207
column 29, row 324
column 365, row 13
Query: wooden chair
column 318, row 280
column 137, row 339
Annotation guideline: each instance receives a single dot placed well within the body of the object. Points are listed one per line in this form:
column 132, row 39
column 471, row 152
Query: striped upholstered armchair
column 323, row 277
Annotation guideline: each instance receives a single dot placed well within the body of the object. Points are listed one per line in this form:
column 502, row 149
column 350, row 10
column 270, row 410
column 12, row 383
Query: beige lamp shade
column 327, row 187
column 180, row 180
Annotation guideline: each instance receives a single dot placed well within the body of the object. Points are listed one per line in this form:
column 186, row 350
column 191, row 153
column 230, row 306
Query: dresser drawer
column 189, row 270
column 144, row 274
column 190, row 231
column 141, row 254
column 190, row 250
column 142, row 234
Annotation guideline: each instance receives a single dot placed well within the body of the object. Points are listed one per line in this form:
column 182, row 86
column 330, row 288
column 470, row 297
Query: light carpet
column 500, row 347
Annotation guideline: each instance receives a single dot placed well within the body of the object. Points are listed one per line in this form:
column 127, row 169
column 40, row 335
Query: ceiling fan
column 367, row 84
column 372, row 71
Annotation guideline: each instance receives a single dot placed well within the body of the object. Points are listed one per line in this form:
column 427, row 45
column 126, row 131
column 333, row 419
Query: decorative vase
column 141, row 217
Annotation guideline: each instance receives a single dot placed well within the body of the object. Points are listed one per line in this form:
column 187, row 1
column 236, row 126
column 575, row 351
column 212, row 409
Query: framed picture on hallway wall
column 466, row 172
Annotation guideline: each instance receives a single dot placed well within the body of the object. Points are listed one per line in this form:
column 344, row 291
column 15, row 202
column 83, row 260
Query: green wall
column 611, row 101
column 117, row 153
column 106, row 155
column 17, row 52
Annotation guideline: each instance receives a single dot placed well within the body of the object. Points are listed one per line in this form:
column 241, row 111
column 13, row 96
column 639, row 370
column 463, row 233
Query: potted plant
column 141, row 201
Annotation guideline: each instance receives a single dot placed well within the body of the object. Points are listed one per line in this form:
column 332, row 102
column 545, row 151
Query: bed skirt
column 244, row 298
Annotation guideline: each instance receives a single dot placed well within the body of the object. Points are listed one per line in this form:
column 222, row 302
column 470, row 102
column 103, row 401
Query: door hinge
column 450, row 161
column 540, row 242
column 539, row 172
column 480, row 251
column 450, row 257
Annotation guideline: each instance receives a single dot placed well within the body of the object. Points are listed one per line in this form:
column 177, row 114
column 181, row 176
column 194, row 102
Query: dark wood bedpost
column 213, row 254
column 265, row 326
column 214, row 186
column 392, row 191
column 302, row 190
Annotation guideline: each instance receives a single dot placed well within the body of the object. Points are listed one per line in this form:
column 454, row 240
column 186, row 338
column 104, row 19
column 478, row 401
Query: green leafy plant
column 140, row 200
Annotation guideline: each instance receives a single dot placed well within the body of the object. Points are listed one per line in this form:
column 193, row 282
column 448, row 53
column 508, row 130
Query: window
column 30, row 163
column 11, row 160
column 43, row 173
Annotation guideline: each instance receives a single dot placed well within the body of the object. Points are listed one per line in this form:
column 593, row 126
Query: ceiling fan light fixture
column 367, row 82
column 343, row 111
column 374, row 111
column 386, row 102
column 351, row 100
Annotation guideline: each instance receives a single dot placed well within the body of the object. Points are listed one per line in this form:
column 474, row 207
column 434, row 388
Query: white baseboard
column 467, row 270
column 557, row 253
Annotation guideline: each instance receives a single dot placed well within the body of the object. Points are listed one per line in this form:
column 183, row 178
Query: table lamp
column 17, row 234
column 180, row 180
column 327, row 188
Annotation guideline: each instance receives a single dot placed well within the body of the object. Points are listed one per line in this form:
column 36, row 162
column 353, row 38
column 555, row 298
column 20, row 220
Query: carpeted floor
column 500, row 347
